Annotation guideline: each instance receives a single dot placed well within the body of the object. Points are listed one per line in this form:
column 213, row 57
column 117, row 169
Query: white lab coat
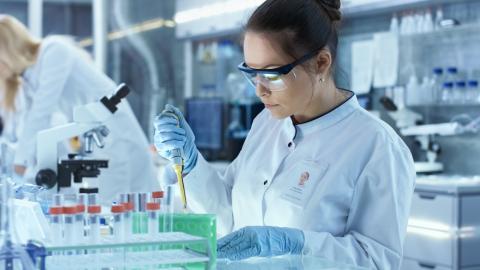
column 63, row 78
column 355, row 204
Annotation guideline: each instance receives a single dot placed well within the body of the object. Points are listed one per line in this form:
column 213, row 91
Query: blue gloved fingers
column 175, row 110
column 169, row 145
column 247, row 253
column 170, row 121
column 228, row 238
column 240, row 245
column 240, row 241
column 170, row 129
column 239, row 255
column 165, row 137
column 165, row 119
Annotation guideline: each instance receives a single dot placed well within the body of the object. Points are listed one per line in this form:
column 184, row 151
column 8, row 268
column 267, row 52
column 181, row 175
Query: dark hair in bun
column 298, row 26
column 332, row 8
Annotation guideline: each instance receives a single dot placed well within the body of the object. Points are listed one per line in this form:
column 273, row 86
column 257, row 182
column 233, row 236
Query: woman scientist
column 317, row 175
column 55, row 76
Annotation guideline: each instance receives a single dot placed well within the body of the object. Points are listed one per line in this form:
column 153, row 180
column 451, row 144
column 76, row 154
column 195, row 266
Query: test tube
column 158, row 197
column 92, row 199
column 82, row 199
column 139, row 215
column 80, row 223
column 56, row 224
column 153, row 226
column 127, row 215
column 168, row 214
column 94, row 223
column 127, row 218
column 69, row 233
column 118, row 224
column 57, row 199
column 82, row 209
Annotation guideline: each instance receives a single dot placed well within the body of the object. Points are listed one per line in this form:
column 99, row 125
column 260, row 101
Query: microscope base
column 428, row 167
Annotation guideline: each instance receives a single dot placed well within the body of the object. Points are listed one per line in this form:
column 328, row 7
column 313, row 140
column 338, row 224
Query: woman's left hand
column 260, row 241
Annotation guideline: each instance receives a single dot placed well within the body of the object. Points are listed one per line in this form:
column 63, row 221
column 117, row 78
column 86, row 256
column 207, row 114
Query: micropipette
column 178, row 163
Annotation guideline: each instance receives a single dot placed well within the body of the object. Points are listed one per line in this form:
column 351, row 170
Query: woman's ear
column 323, row 62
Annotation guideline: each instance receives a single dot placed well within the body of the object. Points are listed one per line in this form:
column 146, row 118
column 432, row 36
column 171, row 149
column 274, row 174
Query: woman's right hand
column 173, row 132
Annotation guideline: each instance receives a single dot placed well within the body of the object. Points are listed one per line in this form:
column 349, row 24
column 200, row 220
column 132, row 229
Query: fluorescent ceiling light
column 216, row 9
column 134, row 29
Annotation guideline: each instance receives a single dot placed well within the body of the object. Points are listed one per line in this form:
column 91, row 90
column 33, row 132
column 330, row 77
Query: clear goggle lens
column 271, row 81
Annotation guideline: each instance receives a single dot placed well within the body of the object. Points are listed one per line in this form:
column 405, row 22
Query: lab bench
column 288, row 262
column 443, row 229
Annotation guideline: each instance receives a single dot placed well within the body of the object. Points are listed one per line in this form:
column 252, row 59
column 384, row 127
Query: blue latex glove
column 168, row 136
column 262, row 241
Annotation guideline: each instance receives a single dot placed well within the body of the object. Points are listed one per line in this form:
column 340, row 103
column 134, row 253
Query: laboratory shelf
column 454, row 34
column 353, row 9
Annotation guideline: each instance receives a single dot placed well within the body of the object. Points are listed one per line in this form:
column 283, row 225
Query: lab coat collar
column 326, row 120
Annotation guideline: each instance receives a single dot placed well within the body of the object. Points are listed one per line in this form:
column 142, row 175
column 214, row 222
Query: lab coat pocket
column 301, row 182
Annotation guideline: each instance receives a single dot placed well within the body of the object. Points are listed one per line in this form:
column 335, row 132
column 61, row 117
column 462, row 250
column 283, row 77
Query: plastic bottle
column 460, row 93
column 409, row 24
column 425, row 91
column 394, row 25
column 446, row 97
column 436, row 85
column 118, row 224
column 473, row 92
column 56, row 224
column 418, row 20
column 412, row 91
column 428, row 22
column 452, row 74
column 438, row 19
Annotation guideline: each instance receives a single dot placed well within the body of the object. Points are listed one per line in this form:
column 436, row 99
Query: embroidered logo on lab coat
column 303, row 179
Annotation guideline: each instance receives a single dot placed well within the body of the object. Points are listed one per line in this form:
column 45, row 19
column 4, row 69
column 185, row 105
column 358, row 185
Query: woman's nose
column 261, row 90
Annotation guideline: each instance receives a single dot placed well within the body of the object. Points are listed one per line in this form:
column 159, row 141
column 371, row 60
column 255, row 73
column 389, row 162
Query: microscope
column 425, row 136
column 408, row 121
column 88, row 122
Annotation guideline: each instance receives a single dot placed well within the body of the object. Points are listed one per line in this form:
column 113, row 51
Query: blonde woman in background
column 56, row 77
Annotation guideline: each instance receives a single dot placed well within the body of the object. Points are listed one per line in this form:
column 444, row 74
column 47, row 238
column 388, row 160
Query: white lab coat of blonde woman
column 61, row 78
column 56, row 78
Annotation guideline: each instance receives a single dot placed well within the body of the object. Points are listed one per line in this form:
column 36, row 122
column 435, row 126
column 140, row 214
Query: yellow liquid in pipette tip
column 178, row 171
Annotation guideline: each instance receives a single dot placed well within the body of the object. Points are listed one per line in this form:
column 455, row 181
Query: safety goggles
column 274, row 79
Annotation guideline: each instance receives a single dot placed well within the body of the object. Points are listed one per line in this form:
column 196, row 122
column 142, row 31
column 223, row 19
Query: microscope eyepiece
column 120, row 93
